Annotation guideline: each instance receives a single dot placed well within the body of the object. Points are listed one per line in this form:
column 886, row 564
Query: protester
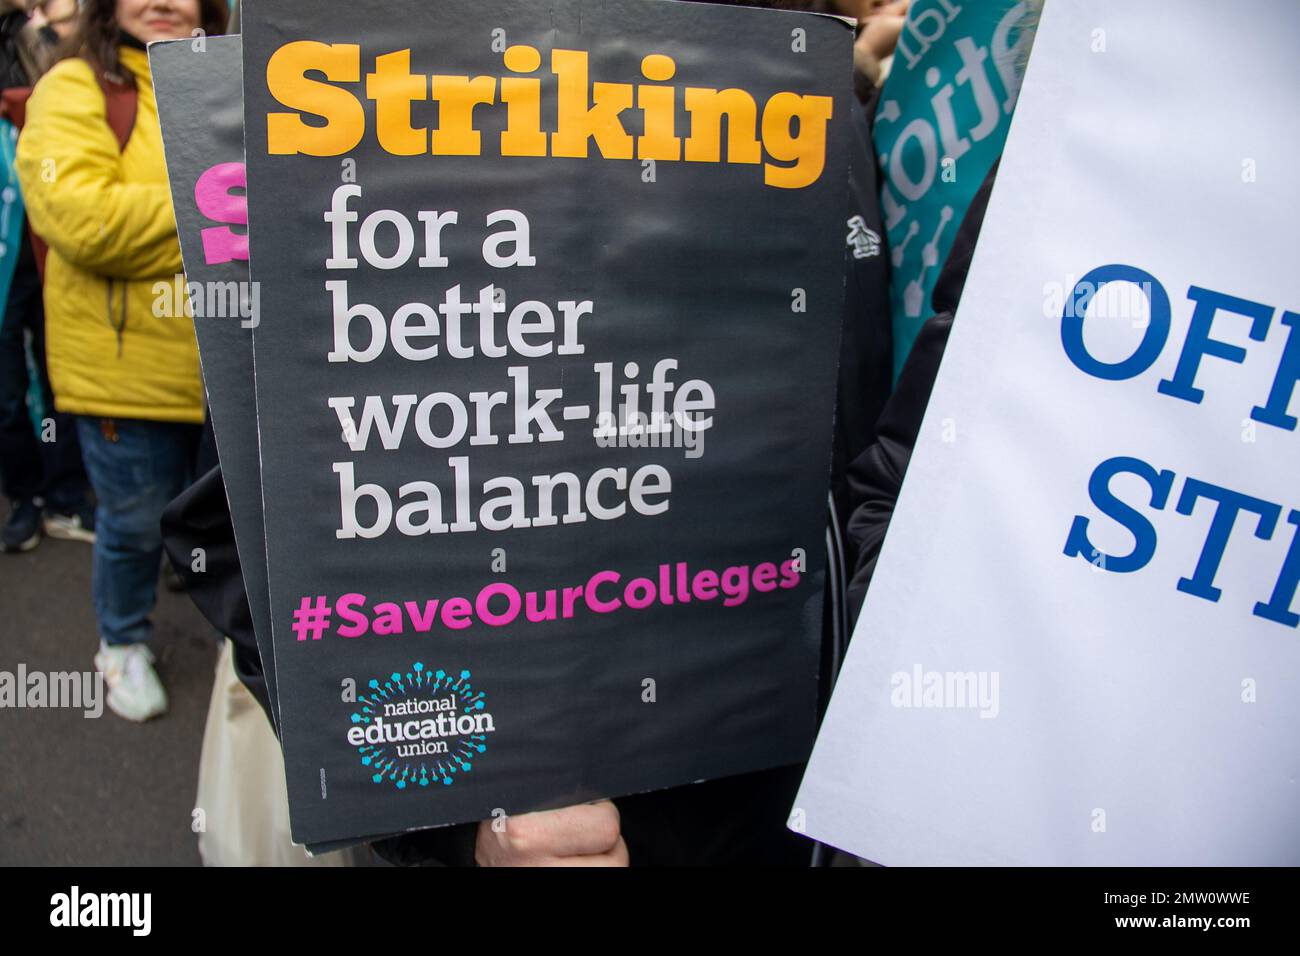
column 54, row 22
column 91, row 165
column 42, row 475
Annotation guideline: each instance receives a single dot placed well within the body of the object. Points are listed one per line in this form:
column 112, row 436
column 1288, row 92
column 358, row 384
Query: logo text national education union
column 420, row 728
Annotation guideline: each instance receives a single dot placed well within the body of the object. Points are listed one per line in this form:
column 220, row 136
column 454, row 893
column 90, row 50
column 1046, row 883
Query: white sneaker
column 134, row 690
column 71, row 527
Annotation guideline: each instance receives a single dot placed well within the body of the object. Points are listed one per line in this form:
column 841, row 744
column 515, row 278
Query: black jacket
column 866, row 342
column 876, row 476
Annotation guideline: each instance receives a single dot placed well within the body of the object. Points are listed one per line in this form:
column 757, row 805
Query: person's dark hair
column 98, row 35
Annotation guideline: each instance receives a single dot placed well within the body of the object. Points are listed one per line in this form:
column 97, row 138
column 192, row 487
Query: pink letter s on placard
column 213, row 194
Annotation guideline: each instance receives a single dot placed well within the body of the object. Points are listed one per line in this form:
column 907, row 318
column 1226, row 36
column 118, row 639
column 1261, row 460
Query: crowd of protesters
column 102, row 404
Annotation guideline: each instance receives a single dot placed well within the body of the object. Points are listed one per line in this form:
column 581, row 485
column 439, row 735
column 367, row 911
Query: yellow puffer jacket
column 107, row 216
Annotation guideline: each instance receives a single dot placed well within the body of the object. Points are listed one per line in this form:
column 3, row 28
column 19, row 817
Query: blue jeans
column 136, row 468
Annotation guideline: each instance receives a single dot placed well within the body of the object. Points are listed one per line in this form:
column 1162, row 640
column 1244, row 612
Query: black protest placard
column 544, row 394
column 199, row 87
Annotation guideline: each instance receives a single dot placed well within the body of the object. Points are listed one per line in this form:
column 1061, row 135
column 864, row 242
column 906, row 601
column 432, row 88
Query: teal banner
column 940, row 125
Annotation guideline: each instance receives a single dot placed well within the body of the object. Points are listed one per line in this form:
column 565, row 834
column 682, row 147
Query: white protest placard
column 1080, row 645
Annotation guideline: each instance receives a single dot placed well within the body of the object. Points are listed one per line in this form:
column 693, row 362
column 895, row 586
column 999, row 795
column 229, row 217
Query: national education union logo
column 420, row 727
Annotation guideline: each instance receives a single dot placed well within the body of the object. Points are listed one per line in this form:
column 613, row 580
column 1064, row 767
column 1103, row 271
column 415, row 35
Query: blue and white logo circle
column 420, row 727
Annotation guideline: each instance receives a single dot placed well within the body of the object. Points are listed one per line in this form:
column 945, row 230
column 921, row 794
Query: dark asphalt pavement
column 78, row 791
